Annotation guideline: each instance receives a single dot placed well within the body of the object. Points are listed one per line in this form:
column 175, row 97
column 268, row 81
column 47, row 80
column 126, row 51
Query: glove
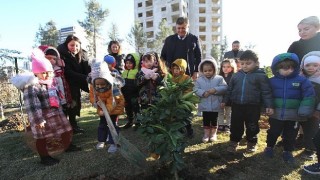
column 147, row 76
column 154, row 76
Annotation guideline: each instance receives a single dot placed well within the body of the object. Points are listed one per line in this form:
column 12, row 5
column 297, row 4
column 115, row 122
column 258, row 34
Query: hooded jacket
column 315, row 78
column 293, row 95
column 38, row 108
column 203, row 84
column 182, row 64
column 114, row 104
column 252, row 88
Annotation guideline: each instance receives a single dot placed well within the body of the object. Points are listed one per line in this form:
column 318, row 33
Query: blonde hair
column 311, row 20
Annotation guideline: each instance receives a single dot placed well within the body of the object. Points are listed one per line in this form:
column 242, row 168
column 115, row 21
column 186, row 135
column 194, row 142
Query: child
column 310, row 66
column 114, row 50
column 149, row 78
column 118, row 81
column 293, row 98
column 209, row 87
column 45, row 114
column 130, row 90
column 227, row 68
column 178, row 71
column 53, row 56
column 248, row 89
column 101, row 87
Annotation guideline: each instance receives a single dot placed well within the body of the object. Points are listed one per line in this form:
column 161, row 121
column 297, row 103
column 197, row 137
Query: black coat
column 76, row 72
column 302, row 47
column 192, row 51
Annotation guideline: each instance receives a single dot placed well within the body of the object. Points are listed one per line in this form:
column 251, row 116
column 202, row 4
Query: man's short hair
column 236, row 42
column 182, row 20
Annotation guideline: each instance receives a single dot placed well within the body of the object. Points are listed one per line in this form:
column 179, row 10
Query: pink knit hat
column 39, row 62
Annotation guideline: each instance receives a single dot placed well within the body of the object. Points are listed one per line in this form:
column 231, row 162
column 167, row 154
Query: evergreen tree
column 164, row 32
column 137, row 37
column 92, row 24
column 114, row 33
column 215, row 53
column 47, row 35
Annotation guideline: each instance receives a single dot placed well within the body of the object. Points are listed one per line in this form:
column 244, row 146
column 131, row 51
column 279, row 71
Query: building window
column 202, row 19
column 163, row 9
column 141, row 24
column 150, row 34
column 149, row 13
column 202, row 28
column 149, row 24
column 149, row 3
column 175, row 7
column 140, row 15
column 202, row 37
column 202, row 10
column 139, row 4
column 202, row 1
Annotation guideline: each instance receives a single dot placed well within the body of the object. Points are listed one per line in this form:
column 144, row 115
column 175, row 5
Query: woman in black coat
column 76, row 72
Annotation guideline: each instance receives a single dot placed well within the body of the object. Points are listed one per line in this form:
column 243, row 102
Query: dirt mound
column 13, row 123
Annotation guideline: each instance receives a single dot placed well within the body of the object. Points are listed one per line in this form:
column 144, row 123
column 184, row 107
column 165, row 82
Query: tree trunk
column 1, row 111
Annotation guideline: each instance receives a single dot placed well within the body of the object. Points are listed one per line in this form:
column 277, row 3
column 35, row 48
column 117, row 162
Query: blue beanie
column 109, row 59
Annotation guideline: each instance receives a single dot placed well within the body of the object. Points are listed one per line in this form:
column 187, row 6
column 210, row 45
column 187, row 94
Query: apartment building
column 205, row 18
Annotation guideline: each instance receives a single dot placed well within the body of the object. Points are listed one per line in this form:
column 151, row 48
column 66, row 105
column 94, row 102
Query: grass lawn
column 203, row 160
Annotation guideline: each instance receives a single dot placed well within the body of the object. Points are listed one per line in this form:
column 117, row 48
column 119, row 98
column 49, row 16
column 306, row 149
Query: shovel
column 129, row 151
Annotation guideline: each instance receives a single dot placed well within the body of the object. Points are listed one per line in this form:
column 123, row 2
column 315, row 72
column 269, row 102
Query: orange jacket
column 107, row 98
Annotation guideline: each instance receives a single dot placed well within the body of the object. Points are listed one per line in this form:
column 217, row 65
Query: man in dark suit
column 235, row 53
column 183, row 45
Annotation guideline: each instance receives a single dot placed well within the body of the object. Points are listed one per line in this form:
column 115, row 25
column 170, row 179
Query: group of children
column 289, row 97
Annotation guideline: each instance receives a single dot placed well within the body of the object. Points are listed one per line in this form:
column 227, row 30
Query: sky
column 271, row 25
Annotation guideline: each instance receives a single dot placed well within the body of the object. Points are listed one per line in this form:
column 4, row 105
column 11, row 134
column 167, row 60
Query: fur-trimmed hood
column 208, row 59
column 24, row 80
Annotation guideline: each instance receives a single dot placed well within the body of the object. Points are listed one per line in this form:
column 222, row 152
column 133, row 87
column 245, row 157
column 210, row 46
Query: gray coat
column 211, row 103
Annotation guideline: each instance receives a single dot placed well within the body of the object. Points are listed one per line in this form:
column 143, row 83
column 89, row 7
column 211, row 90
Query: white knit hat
column 311, row 57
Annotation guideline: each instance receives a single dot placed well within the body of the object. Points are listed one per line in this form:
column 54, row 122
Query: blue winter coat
column 293, row 95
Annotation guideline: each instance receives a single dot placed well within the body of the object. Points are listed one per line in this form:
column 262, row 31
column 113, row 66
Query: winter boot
column 213, row 134
column 206, row 135
column 232, row 148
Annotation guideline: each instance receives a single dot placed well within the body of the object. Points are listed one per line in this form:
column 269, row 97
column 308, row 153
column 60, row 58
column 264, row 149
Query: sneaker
column 78, row 130
column 73, row 148
column 100, row 145
column 128, row 125
column 308, row 154
column 312, row 168
column 288, row 157
column 112, row 149
column 251, row 147
column 49, row 161
column 232, row 148
column 268, row 152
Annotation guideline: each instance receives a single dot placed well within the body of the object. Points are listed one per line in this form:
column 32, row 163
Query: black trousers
column 288, row 130
column 210, row 119
column 247, row 115
column 316, row 141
